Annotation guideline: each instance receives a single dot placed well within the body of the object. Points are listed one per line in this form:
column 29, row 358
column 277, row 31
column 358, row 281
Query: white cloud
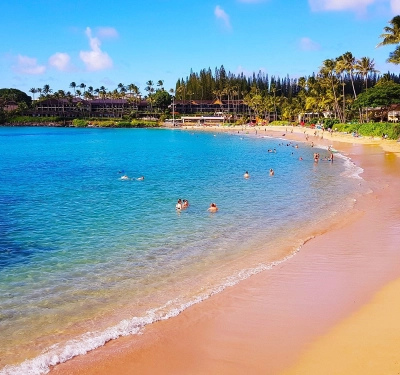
column 395, row 5
column 107, row 32
column 60, row 61
column 222, row 15
column 306, row 44
column 358, row 5
column 95, row 59
column 28, row 65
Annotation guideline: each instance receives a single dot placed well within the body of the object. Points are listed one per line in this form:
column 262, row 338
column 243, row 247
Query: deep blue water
column 77, row 243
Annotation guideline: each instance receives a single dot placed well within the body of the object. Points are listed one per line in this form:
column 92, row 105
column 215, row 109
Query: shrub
column 32, row 120
column 123, row 124
column 280, row 123
column 371, row 129
column 330, row 122
column 79, row 123
column 144, row 124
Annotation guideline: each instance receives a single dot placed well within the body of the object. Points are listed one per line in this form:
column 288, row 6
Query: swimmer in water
column 185, row 203
column 125, row 177
column 271, row 172
column 246, row 175
column 213, row 208
column 178, row 205
column 140, row 178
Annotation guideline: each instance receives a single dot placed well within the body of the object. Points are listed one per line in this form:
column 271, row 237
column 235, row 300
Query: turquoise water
column 86, row 257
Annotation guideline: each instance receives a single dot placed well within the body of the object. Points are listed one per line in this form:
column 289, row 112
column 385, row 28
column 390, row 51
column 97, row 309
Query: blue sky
column 103, row 43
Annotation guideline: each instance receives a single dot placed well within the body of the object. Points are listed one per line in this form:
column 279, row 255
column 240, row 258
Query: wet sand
column 321, row 307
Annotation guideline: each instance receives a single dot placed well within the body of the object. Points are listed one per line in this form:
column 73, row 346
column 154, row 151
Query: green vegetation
column 280, row 123
column 15, row 95
column 385, row 92
column 392, row 36
column 372, row 129
column 79, row 123
column 32, row 120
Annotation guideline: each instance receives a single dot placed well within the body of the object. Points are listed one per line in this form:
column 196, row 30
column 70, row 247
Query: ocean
column 87, row 257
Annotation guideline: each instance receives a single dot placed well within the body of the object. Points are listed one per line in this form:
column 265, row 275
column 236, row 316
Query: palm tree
column 121, row 86
column 392, row 36
column 47, row 90
column 33, row 90
column 122, row 92
column 366, row 66
column 131, row 87
column 73, row 86
column 102, row 92
column 160, row 84
column 87, row 95
column 340, row 68
column 328, row 70
column 150, row 89
column 228, row 90
column 349, row 62
column 82, row 86
column 235, row 93
column 394, row 57
column 276, row 101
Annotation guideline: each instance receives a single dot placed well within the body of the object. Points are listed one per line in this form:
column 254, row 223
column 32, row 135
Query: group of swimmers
column 247, row 175
column 182, row 204
column 126, row 177
column 317, row 157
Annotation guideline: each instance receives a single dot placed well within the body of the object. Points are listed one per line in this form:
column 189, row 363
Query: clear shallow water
column 86, row 257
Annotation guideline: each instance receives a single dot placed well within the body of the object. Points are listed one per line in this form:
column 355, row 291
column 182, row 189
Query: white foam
column 351, row 170
column 92, row 340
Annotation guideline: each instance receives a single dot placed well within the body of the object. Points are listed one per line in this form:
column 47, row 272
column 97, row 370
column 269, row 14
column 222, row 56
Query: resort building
column 203, row 111
column 76, row 107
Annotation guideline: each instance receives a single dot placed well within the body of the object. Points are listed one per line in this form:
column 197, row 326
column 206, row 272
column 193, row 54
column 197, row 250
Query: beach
column 334, row 302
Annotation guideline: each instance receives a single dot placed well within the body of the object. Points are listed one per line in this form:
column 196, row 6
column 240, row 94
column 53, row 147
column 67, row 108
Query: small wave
column 92, row 340
column 351, row 170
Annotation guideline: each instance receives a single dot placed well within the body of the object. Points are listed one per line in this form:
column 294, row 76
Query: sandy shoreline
column 304, row 312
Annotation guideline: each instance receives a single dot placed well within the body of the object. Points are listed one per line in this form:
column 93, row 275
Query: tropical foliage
column 392, row 36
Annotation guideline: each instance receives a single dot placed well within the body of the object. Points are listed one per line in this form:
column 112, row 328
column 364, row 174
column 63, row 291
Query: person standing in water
column 246, row 175
column 213, row 208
